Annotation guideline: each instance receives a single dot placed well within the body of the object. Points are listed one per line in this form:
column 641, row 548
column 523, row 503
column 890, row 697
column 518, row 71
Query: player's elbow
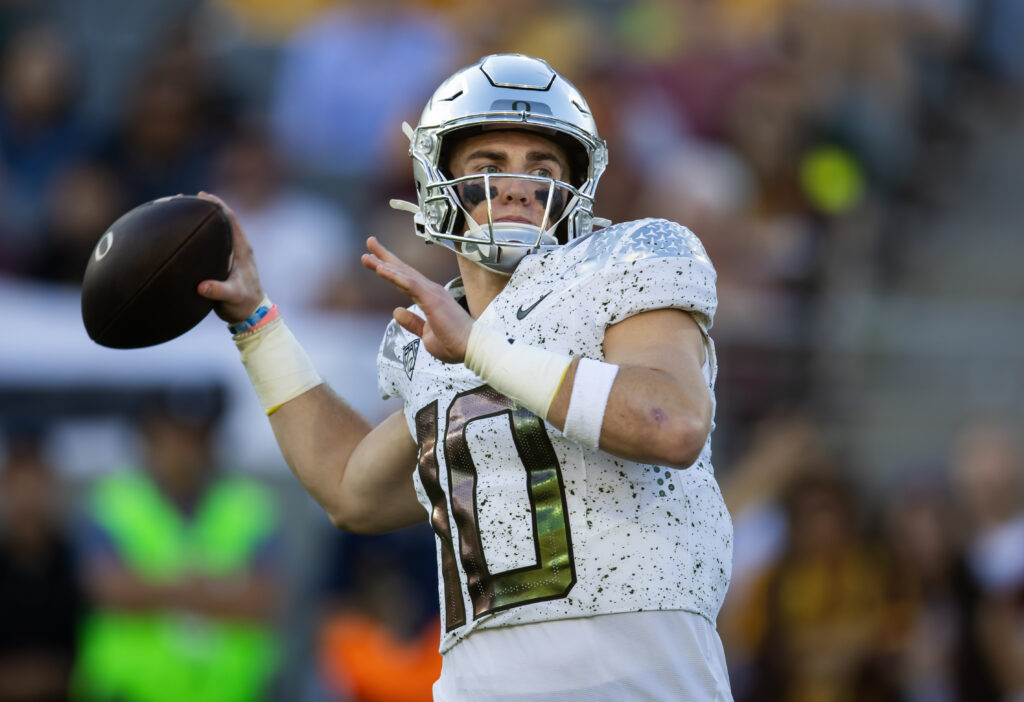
column 356, row 518
column 370, row 514
column 349, row 514
column 679, row 441
column 343, row 520
column 353, row 521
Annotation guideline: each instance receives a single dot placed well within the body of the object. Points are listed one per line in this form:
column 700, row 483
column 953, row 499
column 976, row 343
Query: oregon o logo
column 516, row 106
column 104, row 245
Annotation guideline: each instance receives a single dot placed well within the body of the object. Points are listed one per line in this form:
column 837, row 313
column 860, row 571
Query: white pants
column 654, row 656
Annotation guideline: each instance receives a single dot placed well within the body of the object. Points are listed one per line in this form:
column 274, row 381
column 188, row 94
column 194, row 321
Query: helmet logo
column 520, row 106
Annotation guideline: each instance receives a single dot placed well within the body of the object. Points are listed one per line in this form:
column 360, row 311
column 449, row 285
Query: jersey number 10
column 554, row 573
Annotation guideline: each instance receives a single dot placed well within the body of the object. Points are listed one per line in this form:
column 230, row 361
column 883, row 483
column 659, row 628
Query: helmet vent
column 517, row 71
column 449, row 99
column 581, row 108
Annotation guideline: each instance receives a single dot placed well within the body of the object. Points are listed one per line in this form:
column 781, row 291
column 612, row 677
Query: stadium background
column 854, row 169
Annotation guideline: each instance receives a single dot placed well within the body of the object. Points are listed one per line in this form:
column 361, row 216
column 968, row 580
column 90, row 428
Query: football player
column 558, row 406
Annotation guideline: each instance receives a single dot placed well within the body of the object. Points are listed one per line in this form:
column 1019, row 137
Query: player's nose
column 515, row 190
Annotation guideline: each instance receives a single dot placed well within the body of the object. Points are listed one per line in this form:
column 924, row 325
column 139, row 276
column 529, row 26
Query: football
column 139, row 288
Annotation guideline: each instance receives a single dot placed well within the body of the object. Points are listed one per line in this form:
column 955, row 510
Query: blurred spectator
column 171, row 123
column 15, row 15
column 111, row 40
column 781, row 449
column 347, row 81
column 999, row 49
column 85, row 199
column 182, row 562
column 816, row 615
column 988, row 479
column 273, row 20
column 920, row 653
column 561, row 33
column 298, row 235
column 40, row 132
column 40, row 597
column 379, row 637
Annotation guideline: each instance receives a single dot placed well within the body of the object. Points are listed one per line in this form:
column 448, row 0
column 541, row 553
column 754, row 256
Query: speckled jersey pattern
column 530, row 525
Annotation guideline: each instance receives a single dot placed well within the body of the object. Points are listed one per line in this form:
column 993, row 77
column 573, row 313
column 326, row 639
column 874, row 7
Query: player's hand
column 445, row 331
column 238, row 296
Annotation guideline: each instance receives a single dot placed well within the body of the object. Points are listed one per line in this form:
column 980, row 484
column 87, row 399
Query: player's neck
column 481, row 285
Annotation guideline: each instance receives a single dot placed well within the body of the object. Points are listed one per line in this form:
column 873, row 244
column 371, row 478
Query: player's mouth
column 513, row 218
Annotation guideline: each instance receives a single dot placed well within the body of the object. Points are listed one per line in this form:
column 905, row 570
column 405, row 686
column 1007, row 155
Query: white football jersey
column 530, row 525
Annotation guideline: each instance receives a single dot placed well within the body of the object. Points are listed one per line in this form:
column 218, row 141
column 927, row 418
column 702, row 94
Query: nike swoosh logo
column 521, row 313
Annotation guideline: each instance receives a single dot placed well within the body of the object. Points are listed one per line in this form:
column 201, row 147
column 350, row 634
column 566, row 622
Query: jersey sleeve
column 651, row 264
column 395, row 360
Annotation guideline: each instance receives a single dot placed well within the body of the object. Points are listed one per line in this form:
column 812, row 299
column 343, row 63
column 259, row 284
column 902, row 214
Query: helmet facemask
column 495, row 219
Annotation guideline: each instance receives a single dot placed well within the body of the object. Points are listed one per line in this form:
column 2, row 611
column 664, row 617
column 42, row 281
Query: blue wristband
column 252, row 320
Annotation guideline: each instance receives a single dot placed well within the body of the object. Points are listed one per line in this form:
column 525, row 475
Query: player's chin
column 526, row 221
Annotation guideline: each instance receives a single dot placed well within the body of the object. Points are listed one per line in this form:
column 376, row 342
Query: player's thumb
column 217, row 290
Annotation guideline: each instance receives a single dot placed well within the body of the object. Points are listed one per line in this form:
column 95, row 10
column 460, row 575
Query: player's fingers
column 400, row 278
column 202, row 194
column 215, row 289
column 409, row 321
column 369, row 261
column 382, row 252
column 241, row 243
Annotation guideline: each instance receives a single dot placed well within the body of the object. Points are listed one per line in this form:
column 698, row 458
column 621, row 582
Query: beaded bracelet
column 266, row 312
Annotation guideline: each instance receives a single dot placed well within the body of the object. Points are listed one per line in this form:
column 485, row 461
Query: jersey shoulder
column 647, row 264
column 632, row 242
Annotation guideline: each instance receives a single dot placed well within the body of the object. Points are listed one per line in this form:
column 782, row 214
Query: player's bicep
column 666, row 340
column 377, row 485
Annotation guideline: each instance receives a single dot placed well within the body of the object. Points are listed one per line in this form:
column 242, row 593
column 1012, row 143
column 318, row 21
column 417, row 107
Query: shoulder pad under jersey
column 643, row 239
column 646, row 264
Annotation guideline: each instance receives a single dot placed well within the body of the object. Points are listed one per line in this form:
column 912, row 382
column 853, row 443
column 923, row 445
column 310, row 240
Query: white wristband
column 277, row 364
column 590, row 390
column 528, row 374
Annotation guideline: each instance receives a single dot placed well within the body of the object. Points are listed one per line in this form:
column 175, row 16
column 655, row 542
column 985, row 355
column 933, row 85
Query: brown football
column 139, row 288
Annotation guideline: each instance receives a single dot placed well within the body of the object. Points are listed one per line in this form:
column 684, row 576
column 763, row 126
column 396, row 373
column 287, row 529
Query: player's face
column 511, row 199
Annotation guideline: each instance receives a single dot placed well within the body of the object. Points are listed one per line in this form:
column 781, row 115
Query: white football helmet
column 504, row 91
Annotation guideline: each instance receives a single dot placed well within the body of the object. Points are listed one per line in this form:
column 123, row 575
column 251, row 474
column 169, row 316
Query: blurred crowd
column 797, row 138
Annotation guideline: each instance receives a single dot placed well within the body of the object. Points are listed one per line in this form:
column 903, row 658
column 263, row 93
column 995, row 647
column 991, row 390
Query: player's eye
column 543, row 173
column 490, row 169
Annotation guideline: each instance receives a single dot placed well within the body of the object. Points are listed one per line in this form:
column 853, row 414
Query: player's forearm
column 317, row 433
column 649, row 418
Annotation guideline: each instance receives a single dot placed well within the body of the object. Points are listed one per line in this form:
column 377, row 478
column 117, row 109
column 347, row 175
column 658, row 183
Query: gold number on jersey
column 426, row 435
column 554, row 572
